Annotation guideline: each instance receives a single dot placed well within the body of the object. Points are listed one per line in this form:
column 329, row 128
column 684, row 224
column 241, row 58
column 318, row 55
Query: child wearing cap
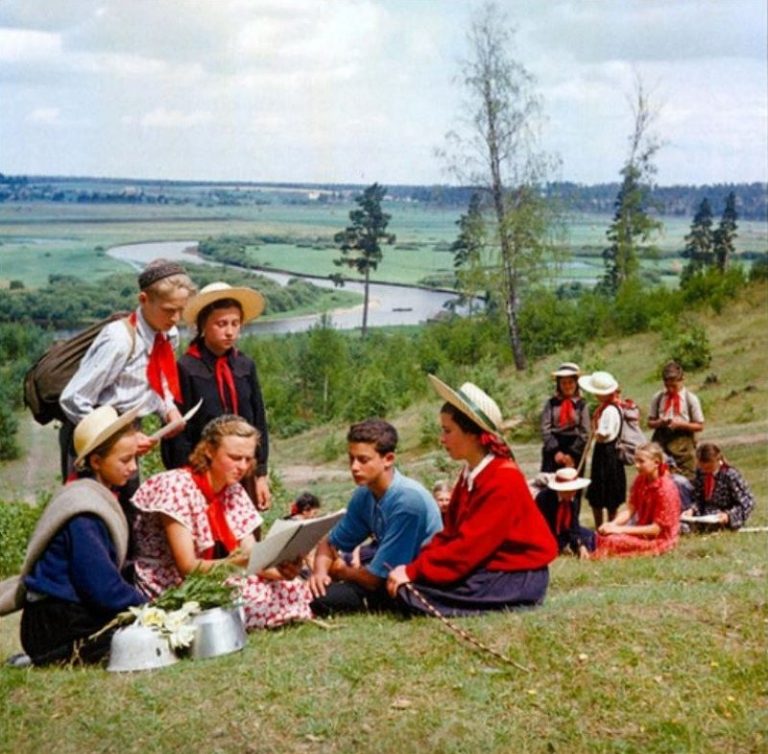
column 495, row 548
column 675, row 417
column 132, row 366
column 71, row 584
column 214, row 371
column 608, row 487
column 564, row 421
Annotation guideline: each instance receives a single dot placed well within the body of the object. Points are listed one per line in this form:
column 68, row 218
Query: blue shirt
column 402, row 521
column 80, row 565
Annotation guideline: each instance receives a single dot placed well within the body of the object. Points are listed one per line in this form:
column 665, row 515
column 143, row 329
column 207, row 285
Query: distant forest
column 680, row 201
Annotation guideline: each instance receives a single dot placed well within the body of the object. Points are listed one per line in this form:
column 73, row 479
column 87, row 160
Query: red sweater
column 495, row 526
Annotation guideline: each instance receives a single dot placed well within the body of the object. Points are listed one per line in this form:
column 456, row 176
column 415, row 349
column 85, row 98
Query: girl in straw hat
column 214, row 371
column 564, row 421
column 609, row 479
column 199, row 516
column 495, row 547
column 560, row 505
column 71, row 584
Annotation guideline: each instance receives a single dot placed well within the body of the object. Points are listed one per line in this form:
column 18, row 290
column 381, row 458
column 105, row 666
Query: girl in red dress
column 650, row 524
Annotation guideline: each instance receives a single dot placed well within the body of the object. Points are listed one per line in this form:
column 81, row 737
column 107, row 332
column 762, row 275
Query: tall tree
column 633, row 227
column 495, row 150
column 699, row 242
column 360, row 242
column 725, row 235
column 469, row 252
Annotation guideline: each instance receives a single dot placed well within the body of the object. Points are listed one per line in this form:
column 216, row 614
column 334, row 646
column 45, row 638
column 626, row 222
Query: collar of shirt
column 471, row 474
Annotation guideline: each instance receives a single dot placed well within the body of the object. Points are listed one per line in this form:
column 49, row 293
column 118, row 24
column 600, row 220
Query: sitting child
column 560, row 506
column 650, row 523
column 441, row 491
column 305, row 505
column 719, row 489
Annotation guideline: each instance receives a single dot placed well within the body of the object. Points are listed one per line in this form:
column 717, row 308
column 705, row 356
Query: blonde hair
column 441, row 485
column 651, row 450
column 226, row 425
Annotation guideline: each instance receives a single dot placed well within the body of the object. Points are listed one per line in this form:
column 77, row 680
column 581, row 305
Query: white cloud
column 174, row 119
column 45, row 115
column 24, row 46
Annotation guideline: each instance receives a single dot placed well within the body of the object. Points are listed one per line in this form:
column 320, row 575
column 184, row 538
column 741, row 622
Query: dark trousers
column 348, row 597
column 56, row 631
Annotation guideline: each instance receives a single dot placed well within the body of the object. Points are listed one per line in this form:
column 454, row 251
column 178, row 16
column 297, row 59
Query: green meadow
column 656, row 655
column 39, row 239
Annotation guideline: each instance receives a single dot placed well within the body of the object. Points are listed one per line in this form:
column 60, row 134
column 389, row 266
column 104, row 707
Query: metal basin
column 219, row 632
column 139, row 648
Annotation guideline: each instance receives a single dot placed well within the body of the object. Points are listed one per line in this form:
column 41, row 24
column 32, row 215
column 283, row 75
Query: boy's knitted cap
column 157, row 270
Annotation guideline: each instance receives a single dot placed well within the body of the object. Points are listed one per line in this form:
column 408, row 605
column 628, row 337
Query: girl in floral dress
column 200, row 515
column 649, row 525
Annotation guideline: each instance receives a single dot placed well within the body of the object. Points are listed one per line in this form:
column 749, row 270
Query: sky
column 356, row 91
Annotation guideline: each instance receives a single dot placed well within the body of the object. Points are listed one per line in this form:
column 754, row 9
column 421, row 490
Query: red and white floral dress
column 267, row 604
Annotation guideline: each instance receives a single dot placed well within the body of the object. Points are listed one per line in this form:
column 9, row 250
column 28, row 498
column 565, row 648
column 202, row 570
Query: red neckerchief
column 225, row 380
column 215, row 512
column 494, row 444
column 161, row 363
column 564, row 515
column 672, row 400
column 709, row 483
column 567, row 412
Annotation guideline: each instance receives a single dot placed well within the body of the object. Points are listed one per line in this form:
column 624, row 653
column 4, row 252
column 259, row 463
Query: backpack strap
column 132, row 332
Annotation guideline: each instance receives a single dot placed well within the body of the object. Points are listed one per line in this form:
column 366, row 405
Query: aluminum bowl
column 139, row 648
column 219, row 631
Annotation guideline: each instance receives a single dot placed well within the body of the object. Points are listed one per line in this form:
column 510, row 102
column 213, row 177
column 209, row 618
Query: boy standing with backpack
column 675, row 417
column 131, row 363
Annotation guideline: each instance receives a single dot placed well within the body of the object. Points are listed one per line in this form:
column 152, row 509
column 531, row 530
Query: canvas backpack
column 48, row 376
column 630, row 437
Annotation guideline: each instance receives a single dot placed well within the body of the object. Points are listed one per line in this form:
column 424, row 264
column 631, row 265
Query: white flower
column 182, row 636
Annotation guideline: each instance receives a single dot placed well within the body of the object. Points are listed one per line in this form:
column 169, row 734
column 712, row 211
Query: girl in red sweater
column 495, row 546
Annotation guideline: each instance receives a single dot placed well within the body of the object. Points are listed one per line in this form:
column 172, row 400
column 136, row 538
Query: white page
column 171, row 426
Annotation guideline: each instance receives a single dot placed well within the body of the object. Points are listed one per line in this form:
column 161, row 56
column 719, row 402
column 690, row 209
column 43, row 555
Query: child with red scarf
column 564, row 422
column 650, row 524
column 495, row 548
column 675, row 417
column 214, row 371
column 609, row 479
column 198, row 516
column 719, row 489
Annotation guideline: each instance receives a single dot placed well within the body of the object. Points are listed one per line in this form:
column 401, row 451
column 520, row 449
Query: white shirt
column 609, row 424
column 113, row 372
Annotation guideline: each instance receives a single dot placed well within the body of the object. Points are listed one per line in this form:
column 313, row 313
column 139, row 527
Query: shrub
column 691, row 349
column 17, row 521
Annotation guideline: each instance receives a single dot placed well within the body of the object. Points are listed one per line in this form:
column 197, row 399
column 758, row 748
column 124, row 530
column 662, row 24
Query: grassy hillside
column 643, row 655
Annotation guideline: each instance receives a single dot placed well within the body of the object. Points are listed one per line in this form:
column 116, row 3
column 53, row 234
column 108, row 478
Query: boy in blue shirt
column 398, row 512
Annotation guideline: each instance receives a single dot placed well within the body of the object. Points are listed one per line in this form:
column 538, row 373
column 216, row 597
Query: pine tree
column 725, row 235
column 632, row 226
column 360, row 242
column 699, row 249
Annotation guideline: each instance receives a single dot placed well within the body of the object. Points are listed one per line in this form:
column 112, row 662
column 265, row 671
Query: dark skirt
column 480, row 592
column 56, row 631
column 609, row 479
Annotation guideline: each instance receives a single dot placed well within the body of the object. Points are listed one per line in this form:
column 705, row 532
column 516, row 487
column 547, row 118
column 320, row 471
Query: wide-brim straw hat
column 567, row 369
column 472, row 402
column 567, row 480
column 599, row 383
column 251, row 302
column 97, row 427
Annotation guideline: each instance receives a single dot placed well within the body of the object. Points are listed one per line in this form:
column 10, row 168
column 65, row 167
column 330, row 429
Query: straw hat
column 567, row 369
column 567, row 480
column 97, row 427
column 599, row 383
column 251, row 301
column 472, row 402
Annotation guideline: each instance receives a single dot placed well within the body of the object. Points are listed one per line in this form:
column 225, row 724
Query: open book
column 710, row 518
column 289, row 539
column 171, row 426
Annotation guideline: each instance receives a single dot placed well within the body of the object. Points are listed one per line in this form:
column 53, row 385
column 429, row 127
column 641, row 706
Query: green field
column 38, row 239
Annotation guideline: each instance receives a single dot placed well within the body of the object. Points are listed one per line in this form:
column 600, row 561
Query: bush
column 691, row 349
column 17, row 521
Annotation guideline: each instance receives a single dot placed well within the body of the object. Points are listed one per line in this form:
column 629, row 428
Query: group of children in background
column 480, row 544
column 679, row 485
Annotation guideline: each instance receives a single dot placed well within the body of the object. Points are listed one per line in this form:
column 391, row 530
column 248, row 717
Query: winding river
column 389, row 304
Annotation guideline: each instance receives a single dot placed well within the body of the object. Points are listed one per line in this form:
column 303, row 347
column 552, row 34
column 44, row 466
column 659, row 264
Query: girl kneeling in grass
column 650, row 523
column 200, row 515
